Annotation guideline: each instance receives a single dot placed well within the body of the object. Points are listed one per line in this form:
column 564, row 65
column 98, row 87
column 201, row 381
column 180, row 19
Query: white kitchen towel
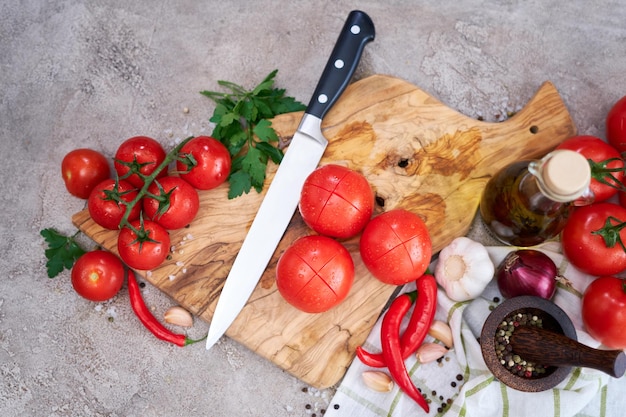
column 461, row 385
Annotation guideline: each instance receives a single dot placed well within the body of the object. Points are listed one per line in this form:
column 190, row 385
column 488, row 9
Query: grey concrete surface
column 93, row 73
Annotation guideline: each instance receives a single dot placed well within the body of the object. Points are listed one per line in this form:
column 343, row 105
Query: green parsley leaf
column 254, row 163
column 62, row 251
column 265, row 132
column 242, row 124
column 273, row 152
column 240, row 184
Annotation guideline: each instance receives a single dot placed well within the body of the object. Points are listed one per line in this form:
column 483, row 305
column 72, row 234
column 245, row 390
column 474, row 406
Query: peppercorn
column 504, row 351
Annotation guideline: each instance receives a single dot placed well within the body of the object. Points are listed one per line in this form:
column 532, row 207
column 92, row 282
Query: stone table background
column 93, row 73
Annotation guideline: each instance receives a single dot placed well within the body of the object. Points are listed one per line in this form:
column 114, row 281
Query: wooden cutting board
column 416, row 152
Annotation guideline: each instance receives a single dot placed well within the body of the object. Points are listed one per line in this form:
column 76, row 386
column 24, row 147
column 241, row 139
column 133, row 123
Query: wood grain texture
column 417, row 153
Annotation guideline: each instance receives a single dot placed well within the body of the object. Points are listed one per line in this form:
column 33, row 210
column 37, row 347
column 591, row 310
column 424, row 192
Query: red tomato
column 604, row 182
column 604, row 311
column 315, row 273
column 98, row 275
column 616, row 125
column 586, row 249
column 177, row 205
column 82, row 170
column 140, row 154
column 105, row 203
column 212, row 160
column 145, row 249
column 622, row 194
column 336, row 201
column 396, row 247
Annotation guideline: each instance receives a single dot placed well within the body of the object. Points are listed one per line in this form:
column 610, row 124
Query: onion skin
column 527, row 272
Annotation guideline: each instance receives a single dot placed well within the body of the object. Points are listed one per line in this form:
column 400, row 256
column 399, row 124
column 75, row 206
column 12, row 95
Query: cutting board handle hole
column 380, row 201
column 534, row 129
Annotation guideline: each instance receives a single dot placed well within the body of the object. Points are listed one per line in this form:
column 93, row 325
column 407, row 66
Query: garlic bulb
column 464, row 269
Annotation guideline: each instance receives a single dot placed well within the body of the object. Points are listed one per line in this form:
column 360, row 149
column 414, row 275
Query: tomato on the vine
column 621, row 195
column 205, row 162
column 82, row 169
column 144, row 245
column 616, row 125
column 315, row 273
column 106, row 203
column 604, row 311
column 336, row 201
column 592, row 239
column 607, row 165
column 138, row 154
column 98, row 275
column 396, row 247
column 176, row 203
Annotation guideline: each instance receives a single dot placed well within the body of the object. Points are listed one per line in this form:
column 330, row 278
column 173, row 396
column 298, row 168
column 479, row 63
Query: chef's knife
column 301, row 158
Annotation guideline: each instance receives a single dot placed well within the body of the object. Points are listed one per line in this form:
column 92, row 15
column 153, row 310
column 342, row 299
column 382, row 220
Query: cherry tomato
column 604, row 311
column 336, row 201
column 586, row 249
column 315, row 273
column 605, row 158
column 179, row 204
column 105, row 203
column 212, row 159
column 98, row 275
column 82, row 169
column 396, row 247
column 141, row 152
column 621, row 195
column 616, row 125
column 146, row 251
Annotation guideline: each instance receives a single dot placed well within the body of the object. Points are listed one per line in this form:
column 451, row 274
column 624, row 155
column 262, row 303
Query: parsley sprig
column 242, row 124
column 62, row 251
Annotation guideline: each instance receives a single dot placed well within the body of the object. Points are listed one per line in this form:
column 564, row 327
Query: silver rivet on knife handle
column 301, row 158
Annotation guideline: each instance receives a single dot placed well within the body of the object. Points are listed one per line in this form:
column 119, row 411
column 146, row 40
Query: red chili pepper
column 392, row 350
column 419, row 324
column 149, row 321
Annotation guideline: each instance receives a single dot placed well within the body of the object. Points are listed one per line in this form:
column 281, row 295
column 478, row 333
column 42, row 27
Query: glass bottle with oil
column 529, row 202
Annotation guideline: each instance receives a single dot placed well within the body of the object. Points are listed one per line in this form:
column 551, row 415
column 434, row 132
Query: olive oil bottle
column 529, row 202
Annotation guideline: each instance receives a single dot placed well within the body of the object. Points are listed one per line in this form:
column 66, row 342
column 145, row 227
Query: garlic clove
column 442, row 332
column 178, row 316
column 429, row 352
column 377, row 380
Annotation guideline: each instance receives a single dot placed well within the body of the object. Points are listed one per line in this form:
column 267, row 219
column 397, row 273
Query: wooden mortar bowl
column 554, row 319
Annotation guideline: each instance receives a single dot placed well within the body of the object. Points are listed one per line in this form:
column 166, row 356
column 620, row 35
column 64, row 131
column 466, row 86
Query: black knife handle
column 356, row 33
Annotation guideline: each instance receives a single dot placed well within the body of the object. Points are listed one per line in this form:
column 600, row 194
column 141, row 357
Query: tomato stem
column 611, row 232
column 601, row 173
column 149, row 179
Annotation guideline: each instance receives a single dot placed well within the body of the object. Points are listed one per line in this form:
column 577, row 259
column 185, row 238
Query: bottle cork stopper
column 567, row 174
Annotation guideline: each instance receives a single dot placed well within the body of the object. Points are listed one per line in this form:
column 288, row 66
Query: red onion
column 527, row 272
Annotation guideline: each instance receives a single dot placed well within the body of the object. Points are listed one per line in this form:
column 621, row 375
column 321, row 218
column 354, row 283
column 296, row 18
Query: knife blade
column 301, row 158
